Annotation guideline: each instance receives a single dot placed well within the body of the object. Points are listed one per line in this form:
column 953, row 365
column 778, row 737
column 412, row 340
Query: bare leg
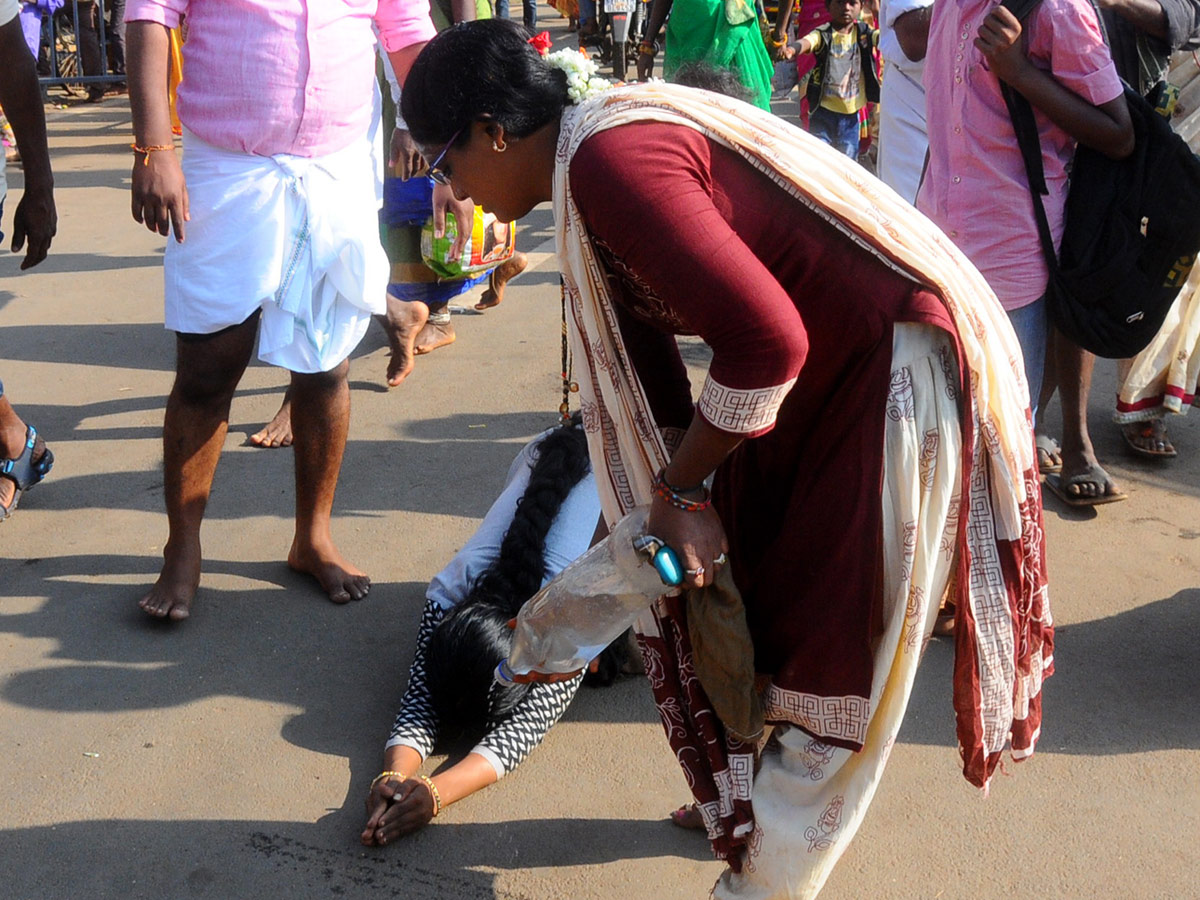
column 405, row 319
column 321, row 417
column 499, row 279
column 206, row 374
column 438, row 332
column 277, row 432
column 1082, row 476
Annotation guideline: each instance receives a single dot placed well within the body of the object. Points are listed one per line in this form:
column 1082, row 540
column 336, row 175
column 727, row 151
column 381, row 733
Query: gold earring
column 499, row 148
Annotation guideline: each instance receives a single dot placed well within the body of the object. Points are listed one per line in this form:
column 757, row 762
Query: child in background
column 844, row 79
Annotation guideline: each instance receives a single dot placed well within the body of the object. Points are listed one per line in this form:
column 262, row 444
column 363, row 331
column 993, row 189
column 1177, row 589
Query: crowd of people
column 861, row 458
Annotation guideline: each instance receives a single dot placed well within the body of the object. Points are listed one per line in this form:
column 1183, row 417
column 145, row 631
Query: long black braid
column 468, row 644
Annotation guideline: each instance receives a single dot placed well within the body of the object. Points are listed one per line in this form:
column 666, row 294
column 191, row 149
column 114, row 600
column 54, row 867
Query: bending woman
column 545, row 517
column 864, row 419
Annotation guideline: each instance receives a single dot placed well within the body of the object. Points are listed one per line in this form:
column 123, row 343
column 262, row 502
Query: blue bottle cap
column 503, row 674
column 667, row 564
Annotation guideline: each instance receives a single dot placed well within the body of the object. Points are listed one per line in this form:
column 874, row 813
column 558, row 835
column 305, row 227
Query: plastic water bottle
column 567, row 623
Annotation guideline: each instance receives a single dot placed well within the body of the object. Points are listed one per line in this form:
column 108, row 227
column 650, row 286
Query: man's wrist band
column 648, row 48
column 146, row 151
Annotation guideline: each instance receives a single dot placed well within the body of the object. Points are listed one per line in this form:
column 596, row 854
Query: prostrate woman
column 544, row 518
column 864, row 419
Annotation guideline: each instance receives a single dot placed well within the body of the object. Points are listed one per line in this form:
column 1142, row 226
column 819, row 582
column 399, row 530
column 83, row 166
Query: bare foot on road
column 172, row 595
column 340, row 580
column 277, row 432
column 499, row 279
column 432, row 336
column 404, row 322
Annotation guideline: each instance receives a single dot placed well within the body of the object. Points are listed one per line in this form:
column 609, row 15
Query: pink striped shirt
column 283, row 76
column 975, row 186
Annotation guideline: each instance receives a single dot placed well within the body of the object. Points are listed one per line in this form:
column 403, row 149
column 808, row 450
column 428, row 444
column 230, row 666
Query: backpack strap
column 1025, row 126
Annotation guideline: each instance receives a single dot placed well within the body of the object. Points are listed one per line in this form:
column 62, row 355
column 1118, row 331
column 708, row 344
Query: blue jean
column 529, row 8
column 838, row 130
column 1031, row 325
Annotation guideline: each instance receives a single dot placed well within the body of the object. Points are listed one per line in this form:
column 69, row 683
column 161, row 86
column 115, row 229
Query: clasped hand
column 1000, row 42
column 395, row 809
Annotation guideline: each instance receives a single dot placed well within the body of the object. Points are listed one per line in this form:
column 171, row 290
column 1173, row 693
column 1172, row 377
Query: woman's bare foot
column 434, row 335
column 277, row 432
column 340, row 580
column 499, row 278
column 688, row 817
column 405, row 319
column 173, row 593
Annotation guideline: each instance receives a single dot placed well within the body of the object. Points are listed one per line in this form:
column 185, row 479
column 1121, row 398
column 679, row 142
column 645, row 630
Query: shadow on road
column 1124, row 684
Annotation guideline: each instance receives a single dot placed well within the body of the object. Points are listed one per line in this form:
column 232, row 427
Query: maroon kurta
column 697, row 241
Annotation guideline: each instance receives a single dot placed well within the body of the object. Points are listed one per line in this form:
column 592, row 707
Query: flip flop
column 23, row 471
column 1153, row 430
column 1048, row 448
column 1093, row 474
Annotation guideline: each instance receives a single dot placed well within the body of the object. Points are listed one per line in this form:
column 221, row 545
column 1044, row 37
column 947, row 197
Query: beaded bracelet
column 433, row 792
column 673, row 495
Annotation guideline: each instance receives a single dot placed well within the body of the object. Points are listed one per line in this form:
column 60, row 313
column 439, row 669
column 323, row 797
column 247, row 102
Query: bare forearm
column 462, row 10
column 1144, row 15
column 782, row 16
column 21, row 98
column 912, row 31
column 403, row 59
column 658, row 15
column 149, row 51
column 1105, row 128
column 702, row 449
column 401, row 759
column 473, row 773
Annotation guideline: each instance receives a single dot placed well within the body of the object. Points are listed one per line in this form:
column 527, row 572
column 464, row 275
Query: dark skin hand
column 408, row 806
column 912, row 32
column 1105, row 128
column 35, row 220
column 159, row 198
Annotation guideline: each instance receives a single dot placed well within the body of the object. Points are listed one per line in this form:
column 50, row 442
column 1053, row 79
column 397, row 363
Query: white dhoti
column 1163, row 377
column 810, row 797
column 296, row 237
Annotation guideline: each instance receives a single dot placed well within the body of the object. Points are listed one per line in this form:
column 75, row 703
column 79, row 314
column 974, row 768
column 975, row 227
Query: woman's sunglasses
column 436, row 171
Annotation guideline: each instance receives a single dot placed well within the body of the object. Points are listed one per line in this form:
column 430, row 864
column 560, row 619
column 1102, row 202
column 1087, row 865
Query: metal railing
column 75, row 44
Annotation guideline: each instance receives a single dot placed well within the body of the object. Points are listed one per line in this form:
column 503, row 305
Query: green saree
column 700, row 31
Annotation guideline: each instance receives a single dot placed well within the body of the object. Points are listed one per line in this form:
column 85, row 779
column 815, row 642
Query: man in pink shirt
column 274, row 214
column 975, row 187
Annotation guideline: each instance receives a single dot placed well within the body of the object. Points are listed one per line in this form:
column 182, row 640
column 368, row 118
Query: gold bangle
column 382, row 775
column 146, row 151
column 433, row 792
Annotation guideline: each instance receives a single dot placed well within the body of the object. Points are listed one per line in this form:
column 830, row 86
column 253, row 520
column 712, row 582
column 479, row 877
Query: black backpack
column 1132, row 227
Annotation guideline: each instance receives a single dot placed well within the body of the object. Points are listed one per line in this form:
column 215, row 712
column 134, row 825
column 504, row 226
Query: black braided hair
column 467, row 645
column 484, row 69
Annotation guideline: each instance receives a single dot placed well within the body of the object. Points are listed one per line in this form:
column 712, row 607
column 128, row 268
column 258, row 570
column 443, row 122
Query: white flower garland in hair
column 582, row 81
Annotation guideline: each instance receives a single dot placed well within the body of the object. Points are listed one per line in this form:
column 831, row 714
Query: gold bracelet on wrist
column 146, row 151
column 385, row 775
column 433, row 792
